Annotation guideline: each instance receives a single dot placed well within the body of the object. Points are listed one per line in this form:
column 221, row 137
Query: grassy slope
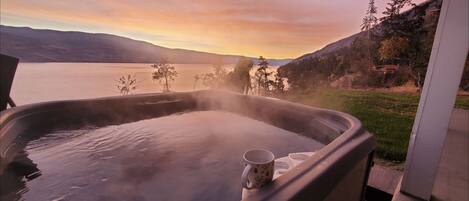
column 389, row 116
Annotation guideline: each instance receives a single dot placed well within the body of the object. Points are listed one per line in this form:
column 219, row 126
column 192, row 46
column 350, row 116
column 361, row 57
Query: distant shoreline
column 43, row 45
column 43, row 62
column 66, row 62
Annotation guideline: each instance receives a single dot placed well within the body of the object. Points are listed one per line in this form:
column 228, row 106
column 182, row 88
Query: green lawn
column 389, row 116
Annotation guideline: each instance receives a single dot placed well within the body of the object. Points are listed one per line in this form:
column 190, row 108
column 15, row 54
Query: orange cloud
column 272, row 28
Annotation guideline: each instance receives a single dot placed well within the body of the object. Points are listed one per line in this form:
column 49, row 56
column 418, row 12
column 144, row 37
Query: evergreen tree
column 239, row 79
column 369, row 21
column 393, row 23
column 409, row 28
column 278, row 84
column 262, row 76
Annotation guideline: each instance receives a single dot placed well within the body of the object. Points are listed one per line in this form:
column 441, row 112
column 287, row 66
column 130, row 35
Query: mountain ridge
column 48, row 45
column 347, row 41
column 355, row 61
column 331, row 47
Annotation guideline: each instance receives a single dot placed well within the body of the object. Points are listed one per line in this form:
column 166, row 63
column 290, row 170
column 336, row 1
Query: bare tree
column 215, row 79
column 126, row 84
column 196, row 79
column 164, row 73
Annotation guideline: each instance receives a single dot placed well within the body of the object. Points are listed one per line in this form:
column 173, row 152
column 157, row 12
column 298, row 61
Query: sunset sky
column 272, row 28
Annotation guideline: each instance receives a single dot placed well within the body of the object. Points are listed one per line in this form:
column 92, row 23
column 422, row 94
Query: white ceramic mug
column 259, row 169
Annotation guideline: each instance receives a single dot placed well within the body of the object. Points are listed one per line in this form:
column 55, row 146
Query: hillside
column 348, row 41
column 330, row 48
column 41, row 45
column 355, row 61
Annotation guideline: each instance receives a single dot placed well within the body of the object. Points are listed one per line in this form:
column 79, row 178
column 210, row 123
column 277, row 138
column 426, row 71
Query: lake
column 39, row 82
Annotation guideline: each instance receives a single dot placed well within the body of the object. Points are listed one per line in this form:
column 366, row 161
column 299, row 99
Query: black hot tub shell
column 338, row 171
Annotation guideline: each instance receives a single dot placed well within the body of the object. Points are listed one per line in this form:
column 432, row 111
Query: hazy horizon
column 273, row 29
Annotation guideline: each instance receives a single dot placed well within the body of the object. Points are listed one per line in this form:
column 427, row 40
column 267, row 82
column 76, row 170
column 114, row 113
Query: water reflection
column 189, row 156
column 14, row 178
column 39, row 82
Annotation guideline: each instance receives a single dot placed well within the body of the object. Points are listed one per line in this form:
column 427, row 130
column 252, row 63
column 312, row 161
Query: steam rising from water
column 189, row 156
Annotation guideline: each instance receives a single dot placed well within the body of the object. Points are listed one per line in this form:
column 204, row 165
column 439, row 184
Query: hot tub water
column 188, row 156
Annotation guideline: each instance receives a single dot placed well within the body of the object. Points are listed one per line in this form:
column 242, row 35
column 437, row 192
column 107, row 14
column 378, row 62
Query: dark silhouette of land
column 41, row 45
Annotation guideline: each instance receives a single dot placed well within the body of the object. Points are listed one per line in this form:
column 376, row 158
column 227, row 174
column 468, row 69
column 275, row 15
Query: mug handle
column 244, row 177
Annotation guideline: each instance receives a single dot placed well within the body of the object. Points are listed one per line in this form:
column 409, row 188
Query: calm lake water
column 38, row 82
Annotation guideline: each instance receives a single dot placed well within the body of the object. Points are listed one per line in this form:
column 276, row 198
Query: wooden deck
column 384, row 179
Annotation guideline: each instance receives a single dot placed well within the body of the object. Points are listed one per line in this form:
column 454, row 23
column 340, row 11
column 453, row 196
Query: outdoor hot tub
column 177, row 146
